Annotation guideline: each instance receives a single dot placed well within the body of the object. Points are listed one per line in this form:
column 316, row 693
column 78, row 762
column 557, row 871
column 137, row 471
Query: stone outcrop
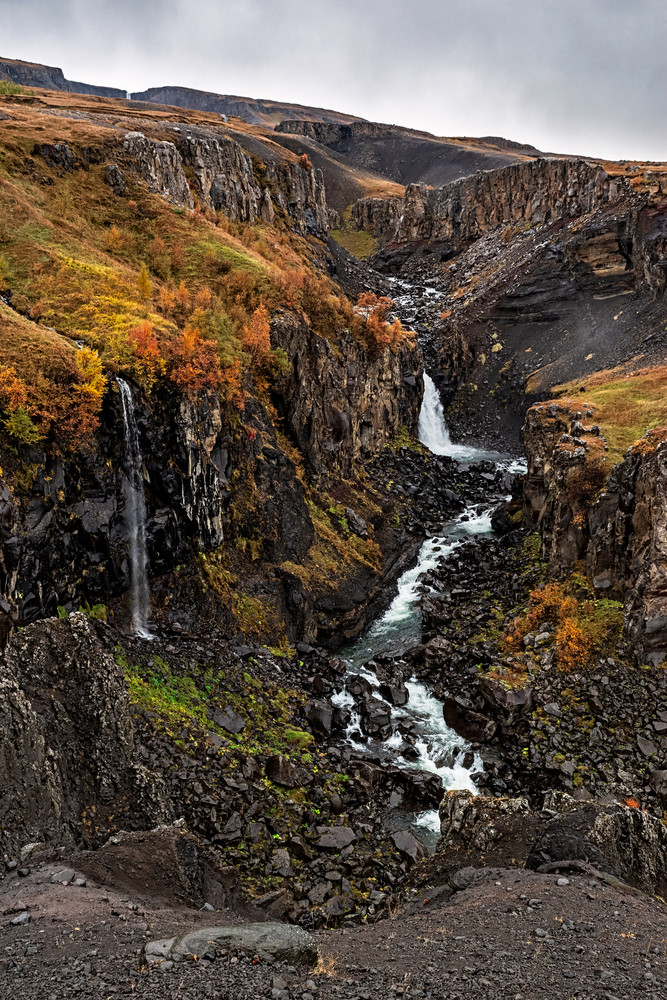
column 625, row 845
column 530, row 193
column 299, row 192
column 341, row 405
column 28, row 74
column 334, row 133
column 618, row 523
column 627, row 551
column 223, row 176
column 66, row 741
column 225, row 179
column 379, row 216
column 564, row 474
column 160, row 165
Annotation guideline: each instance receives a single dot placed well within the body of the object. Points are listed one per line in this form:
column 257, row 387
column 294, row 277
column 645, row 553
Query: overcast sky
column 579, row 76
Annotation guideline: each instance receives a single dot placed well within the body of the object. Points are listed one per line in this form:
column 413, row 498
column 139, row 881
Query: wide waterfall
column 135, row 515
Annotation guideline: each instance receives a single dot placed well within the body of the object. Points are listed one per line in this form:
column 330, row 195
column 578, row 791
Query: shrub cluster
column 584, row 628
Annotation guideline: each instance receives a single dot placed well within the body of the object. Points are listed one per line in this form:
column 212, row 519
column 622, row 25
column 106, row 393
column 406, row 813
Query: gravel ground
column 513, row 935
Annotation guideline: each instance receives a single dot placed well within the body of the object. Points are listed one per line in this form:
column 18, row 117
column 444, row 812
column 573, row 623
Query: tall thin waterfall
column 135, row 513
column 432, row 429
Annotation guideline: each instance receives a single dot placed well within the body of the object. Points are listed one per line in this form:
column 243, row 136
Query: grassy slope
column 626, row 404
column 70, row 254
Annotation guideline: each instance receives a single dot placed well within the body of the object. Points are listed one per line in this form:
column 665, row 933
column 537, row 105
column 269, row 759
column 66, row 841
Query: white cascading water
column 433, row 433
column 400, row 628
column 135, row 515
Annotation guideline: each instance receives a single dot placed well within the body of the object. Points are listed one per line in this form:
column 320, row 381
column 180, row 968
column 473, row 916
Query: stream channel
column 440, row 750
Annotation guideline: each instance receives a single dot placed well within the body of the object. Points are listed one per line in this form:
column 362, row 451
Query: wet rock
column 376, row 718
column 422, row 788
column 395, row 694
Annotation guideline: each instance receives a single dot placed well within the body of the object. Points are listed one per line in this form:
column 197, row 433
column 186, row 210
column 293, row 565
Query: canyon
column 333, row 593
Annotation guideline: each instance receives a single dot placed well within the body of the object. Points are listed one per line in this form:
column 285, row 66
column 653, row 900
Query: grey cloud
column 569, row 75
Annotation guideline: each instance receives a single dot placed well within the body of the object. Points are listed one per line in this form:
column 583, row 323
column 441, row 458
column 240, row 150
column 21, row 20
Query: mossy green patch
column 356, row 241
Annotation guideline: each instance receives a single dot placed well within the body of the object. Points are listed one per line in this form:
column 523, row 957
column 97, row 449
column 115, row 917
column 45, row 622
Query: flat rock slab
column 283, row 942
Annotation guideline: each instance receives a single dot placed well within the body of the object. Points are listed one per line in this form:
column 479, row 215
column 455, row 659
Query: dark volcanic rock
column 466, row 722
column 628, row 843
column 283, row 772
column 66, row 741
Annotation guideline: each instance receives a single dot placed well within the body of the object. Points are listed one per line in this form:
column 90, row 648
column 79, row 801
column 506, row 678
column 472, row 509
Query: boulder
column 376, row 718
column 283, row 772
column 407, row 844
column 320, row 715
column 335, row 837
column 395, row 694
column 466, row 722
column 280, row 942
column 508, row 703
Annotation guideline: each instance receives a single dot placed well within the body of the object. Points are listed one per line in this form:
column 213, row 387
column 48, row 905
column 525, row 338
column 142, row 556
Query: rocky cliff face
column 379, row 216
column 63, row 532
column 618, row 524
column 534, row 192
column 561, row 453
column 66, row 537
column 67, row 743
column 367, row 399
column 627, row 551
column 224, row 179
column 50, row 78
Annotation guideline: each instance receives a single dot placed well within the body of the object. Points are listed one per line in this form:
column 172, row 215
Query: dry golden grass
column 626, row 404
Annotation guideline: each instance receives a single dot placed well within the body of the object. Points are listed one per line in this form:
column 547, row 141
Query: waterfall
column 135, row 514
column 432, row 429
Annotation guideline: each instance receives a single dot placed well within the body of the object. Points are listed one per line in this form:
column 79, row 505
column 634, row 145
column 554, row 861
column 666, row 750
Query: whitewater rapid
column 440, row 750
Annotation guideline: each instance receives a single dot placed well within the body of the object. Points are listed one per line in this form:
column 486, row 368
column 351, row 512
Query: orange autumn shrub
column 256, row 336
column 192, row 363
column 13, row 394
column 380, row 333
column 573, row 646
column 232, row 386
column 549, row 603
column 148, row 365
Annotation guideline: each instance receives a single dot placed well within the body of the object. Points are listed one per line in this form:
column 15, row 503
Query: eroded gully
column 432, row 746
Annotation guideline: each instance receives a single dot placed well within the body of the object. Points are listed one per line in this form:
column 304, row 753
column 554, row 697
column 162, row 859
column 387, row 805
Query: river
column 440, row 750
